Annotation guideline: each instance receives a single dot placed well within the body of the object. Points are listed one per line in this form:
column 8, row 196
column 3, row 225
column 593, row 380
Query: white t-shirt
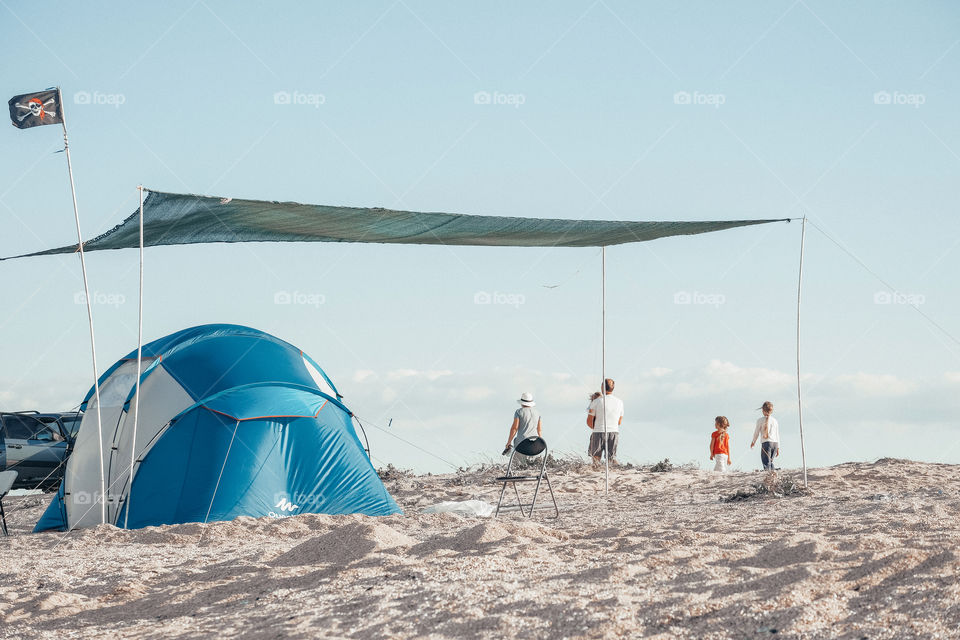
column 614, row 413
column 774, row 430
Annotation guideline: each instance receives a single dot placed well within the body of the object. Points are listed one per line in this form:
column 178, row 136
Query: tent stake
column 86, row 293
column 803, row 453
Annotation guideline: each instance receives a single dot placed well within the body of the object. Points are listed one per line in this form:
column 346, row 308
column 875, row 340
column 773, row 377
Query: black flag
column 35, row 109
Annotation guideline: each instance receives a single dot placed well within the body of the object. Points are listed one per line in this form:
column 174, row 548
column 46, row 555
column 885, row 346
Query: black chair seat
column 532, row 446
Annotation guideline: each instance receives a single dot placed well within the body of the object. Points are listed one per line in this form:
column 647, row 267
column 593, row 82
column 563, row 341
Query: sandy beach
column 869, row 552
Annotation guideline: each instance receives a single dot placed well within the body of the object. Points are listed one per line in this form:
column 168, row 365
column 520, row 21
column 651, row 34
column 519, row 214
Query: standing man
column 605, row 424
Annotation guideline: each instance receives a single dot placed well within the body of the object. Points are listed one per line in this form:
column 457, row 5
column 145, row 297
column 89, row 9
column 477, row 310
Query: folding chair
column 7, row 478
column 530, row 447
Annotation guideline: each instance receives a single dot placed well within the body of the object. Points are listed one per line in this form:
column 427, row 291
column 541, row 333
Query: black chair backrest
column 532, row 446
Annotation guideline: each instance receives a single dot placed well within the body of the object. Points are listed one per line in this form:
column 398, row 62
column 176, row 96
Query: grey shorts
column 596, row 447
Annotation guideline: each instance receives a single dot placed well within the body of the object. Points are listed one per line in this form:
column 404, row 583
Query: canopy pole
column 803, row 453
column 603, row 366
column 86, row 293
column 136, row 397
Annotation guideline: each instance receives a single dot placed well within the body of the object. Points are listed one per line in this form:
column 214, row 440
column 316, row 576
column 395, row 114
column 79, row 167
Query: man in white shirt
column 768, row 430
column 605, row 424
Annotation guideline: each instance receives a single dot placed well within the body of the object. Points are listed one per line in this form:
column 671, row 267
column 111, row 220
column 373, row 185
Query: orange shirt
column 720, row 443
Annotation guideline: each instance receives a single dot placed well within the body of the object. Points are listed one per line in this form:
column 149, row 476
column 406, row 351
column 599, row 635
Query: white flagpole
column 803, row 453
column 136, row 397
column 603, row 365
column 86, row 293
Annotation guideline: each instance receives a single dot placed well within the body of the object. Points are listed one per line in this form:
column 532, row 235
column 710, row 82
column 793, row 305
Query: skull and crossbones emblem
column 35, row 108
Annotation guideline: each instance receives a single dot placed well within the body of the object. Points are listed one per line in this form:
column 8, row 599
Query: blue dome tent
column 233, row 421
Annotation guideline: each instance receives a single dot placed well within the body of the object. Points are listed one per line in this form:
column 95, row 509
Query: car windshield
column 72, row 424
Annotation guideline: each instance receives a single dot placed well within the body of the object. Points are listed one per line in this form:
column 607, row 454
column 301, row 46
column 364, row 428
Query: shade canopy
column 174, row 218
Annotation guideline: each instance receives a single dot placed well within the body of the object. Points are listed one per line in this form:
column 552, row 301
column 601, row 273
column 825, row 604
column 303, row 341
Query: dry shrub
column 663, row 466
column 392, row 473
column 773, row 485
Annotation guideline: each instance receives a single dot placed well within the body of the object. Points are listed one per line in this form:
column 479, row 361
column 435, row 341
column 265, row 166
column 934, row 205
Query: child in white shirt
column 768, row 430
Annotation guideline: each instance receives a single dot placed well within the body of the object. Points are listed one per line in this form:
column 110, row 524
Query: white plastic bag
column 465, row 508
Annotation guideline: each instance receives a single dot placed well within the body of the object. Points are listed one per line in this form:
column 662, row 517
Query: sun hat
column 526, row 399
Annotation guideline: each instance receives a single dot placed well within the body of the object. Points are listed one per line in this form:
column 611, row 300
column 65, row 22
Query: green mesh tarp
column 173, row 218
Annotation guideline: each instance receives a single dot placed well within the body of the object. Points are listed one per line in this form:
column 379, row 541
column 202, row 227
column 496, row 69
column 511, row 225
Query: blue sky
column 608, row 110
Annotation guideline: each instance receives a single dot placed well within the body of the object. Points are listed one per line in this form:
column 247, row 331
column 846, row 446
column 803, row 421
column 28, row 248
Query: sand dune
column 870, row 551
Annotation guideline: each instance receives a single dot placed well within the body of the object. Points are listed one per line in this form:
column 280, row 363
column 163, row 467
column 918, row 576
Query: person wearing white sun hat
column 526, row 422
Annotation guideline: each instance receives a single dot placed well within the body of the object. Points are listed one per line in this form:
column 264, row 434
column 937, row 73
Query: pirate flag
column 35, row 109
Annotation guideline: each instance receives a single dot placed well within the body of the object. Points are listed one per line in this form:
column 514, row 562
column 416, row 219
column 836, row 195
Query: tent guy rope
column 882, row 281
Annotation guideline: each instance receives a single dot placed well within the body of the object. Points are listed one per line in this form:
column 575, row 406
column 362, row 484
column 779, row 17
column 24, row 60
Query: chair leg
column 550, row 487
column 500, row 501
column 519, row 500
column 504, row 487
column 3, row 518
column 544, row 476
column 536, row 490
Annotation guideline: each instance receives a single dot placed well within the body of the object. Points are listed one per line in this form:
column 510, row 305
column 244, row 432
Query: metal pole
column 86, row 293
column 803, row 453
column 603, row 365
column 136, row 398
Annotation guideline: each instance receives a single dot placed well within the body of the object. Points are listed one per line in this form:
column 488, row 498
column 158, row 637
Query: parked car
column 36, row 448
column 69, row 422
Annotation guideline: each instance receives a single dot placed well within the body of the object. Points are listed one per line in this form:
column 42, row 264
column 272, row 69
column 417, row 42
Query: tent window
column 322, row 383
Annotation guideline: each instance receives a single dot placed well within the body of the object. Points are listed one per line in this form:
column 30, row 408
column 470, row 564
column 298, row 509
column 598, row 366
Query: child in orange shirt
column 720, row 445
